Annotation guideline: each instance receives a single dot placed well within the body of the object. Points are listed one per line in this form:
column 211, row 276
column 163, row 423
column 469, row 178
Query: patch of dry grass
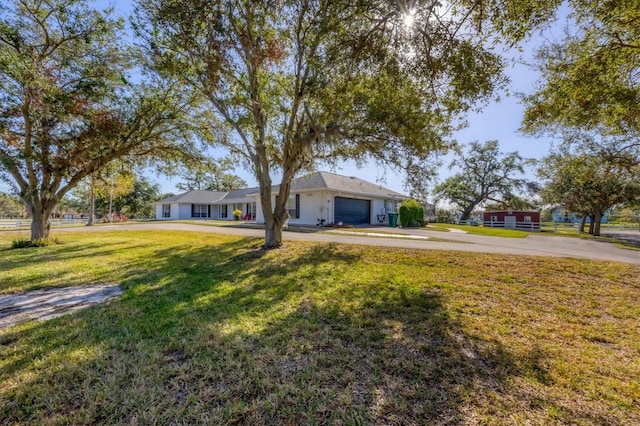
column 212, row 330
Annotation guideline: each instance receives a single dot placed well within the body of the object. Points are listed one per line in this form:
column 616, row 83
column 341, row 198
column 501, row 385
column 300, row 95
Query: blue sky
column 498, row 120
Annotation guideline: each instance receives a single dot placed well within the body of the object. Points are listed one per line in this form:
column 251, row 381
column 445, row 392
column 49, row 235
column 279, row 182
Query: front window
column 166, row 210
column 494, row 218
column 293, row 206
column 223, row 211
column 527, row 219
column 199, row 210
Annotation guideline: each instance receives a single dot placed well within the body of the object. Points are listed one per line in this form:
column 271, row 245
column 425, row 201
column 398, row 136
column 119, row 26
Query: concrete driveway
column 532, row 245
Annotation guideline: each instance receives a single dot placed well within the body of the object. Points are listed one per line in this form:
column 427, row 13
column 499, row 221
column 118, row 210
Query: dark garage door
column 352, row 211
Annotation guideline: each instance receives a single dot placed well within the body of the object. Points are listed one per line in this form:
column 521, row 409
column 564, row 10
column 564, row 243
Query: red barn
column 513, row 219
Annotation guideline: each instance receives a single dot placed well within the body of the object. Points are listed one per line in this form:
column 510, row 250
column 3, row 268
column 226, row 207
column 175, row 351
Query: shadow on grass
column 48, row 258
column 55, row 253
column 232, row 334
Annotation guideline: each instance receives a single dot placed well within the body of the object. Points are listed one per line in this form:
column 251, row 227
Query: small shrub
column 411, row 214
column 27, row 243
column 237, row 213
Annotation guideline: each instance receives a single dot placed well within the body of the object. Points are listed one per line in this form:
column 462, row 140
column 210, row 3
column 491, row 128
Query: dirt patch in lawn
column 42, row 305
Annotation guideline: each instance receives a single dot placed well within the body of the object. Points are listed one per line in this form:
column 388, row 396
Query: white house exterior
column 318, row 198
column 182, row 206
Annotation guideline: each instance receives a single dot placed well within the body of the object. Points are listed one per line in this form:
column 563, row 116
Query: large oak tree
column 67, row 107
column 486, row 174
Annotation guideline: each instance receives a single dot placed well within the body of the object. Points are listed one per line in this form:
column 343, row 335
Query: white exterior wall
column 378, row 208
column 184, row 211
column 327, row 206
column 173, row 211
column 312, row 208
column 214, row 211
column 259, row 215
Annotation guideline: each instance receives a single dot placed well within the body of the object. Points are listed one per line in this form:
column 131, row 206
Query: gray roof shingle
column 241, row 195
column 314, row 181
column 348, row 184
column 195, row 197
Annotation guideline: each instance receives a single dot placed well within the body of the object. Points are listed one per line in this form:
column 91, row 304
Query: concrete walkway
column 532, row 245
column 50, row 303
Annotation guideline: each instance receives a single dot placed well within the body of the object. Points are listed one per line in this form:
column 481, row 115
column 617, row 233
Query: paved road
column 535, row 245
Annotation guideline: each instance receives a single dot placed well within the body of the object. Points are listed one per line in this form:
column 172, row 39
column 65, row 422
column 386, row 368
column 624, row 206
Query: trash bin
column 393, row 220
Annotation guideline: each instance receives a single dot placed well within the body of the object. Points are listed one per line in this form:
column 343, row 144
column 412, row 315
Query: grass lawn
column 480, row 230
column 211, row 330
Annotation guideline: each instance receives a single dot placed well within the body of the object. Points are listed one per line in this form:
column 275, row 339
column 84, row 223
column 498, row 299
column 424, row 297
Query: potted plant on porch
column 236, row 214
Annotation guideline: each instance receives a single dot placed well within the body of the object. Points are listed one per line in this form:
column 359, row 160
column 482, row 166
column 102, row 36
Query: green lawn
column 479, row 230
column 211, row 330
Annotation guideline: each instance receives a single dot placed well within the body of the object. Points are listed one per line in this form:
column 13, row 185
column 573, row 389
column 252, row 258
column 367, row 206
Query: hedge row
column 411, row 214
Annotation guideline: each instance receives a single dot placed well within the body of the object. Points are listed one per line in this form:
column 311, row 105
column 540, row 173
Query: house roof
column 195, row 197
column 340, row 183
column 241, row 195
column 311, row 182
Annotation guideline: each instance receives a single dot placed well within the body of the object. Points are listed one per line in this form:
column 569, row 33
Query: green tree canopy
column 133, row 195
column 10, row 206
column 588, row 184
column 138, row 202
column 590, row 79
column 67, row 108
column 209, row 175
column 486, row 174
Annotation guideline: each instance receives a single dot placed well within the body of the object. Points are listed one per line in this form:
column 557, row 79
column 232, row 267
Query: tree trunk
column 583, row 221
column 591, row 223
column 275, row 220
column 466, row 213
column 39, row 224
column 111, row 205
column 273, row 235
column 596, row 225
column 92, row 206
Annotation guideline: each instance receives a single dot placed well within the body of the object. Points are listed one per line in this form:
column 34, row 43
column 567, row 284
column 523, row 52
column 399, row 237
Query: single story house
column 320, row 198
column 525, row 220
